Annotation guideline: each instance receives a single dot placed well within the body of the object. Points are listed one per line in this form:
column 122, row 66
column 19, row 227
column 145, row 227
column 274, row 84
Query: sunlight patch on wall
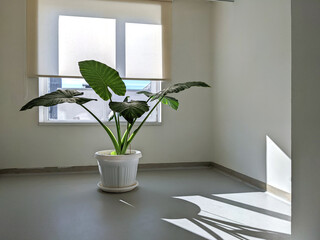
column 278, row 167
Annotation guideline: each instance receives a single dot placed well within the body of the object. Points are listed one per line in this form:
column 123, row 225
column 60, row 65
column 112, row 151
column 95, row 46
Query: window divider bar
column 120, row 47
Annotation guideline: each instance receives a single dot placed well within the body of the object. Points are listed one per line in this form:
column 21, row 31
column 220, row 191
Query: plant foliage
column 104, row 79
column 178, row 87
column 57, row 97
column 130, row 110
column 170, row 101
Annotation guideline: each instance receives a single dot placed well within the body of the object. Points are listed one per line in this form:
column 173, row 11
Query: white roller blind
column 126, row 35
column 82, row 38
column 143, row 50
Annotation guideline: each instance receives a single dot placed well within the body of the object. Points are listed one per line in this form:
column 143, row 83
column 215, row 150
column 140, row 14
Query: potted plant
column 118, row 166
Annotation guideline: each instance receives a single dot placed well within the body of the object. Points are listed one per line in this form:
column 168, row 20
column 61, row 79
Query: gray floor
column 171, row 204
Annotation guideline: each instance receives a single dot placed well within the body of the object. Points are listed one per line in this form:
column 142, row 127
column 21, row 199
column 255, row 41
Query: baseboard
column 180, row 165
column 49, row 170
column 252, row 181
column 94, row 168
column 154, row 166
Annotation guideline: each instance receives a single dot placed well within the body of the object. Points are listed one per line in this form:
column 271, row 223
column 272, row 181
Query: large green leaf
column 148, row 94
column 178, row 87
column 170, row 101
column 111, row 114
column 130, row 110
column 57, row 97
column 101, row 77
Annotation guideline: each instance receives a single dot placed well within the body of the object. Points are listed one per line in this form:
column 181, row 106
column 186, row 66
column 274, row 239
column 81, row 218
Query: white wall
column 251, row 82
column 305, row 119
column 184, row 136
column 243, row 46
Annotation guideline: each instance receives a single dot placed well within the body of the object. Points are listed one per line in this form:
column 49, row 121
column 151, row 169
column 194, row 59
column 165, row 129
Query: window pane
column 85, row 38
column 75, row 113
column 136, row 84
column 143, row 50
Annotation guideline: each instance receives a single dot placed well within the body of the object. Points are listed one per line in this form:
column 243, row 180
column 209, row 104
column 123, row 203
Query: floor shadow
column 236, row 230
column 221, row 226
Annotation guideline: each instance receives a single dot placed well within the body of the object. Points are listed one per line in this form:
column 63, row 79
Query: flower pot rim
column 105, row 155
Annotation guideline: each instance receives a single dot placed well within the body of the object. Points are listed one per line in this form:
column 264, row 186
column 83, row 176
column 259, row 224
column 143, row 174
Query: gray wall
column 251, row 82
column 184, row 136
column 305, row 119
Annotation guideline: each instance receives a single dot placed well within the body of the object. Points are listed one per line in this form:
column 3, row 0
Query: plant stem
column 124, row 141
column 137, row 130
column 127, row 132
column 109, row 132
column 117, row 121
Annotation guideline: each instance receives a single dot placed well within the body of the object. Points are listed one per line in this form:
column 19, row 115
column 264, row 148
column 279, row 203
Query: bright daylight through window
column 74, row 113
column 81, row 38
column 131, row 37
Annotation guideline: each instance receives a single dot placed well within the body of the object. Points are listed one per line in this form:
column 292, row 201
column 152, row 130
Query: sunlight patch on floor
column 254, row 215
column 126, row 203
column 261, row 200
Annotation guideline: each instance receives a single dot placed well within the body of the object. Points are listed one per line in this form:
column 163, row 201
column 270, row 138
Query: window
column 72, row 113
column 130, row 36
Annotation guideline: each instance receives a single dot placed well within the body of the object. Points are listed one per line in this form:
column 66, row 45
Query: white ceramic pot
column 118, row 172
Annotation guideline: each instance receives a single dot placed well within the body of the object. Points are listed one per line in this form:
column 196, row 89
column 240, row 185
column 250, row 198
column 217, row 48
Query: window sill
column 91, row 123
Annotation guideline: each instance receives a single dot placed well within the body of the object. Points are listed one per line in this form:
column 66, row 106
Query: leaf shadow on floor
column 218, row 228
column 238, row 231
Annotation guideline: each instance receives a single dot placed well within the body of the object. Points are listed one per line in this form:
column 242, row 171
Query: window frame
column 43, row 87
